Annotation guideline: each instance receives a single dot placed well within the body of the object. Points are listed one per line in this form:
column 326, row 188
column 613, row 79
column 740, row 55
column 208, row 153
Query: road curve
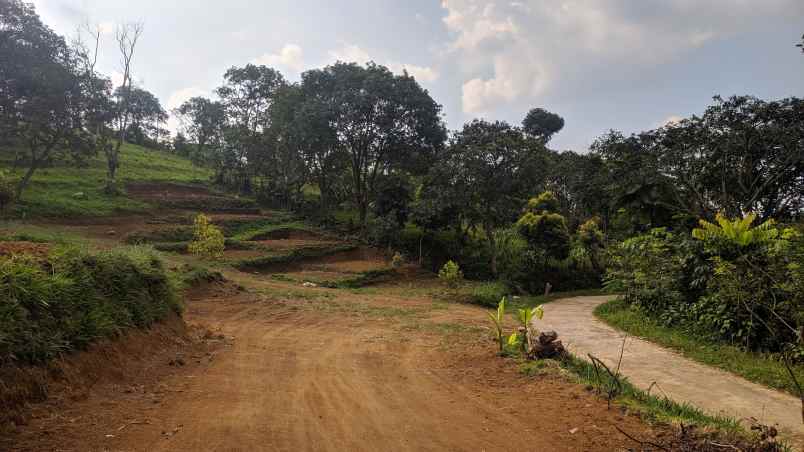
column 712, row 390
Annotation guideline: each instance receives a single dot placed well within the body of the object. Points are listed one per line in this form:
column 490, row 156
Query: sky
column 628, row 65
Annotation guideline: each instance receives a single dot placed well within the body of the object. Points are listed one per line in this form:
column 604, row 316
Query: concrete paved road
column 712, row 390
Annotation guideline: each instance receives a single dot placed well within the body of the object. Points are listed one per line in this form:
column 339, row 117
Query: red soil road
column 294, row 377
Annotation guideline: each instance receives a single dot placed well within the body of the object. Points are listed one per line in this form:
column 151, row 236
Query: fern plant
column 497, row 319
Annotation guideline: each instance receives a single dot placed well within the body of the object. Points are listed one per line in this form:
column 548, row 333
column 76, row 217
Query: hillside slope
column 65, row 190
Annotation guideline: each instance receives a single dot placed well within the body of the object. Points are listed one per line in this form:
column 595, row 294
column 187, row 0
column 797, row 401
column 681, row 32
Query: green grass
column 296, row 255
column 759, row 368
column 654, row 408
column 52, row 191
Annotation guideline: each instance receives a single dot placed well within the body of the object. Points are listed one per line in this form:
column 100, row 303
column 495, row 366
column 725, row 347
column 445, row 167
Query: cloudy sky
column 602, row 64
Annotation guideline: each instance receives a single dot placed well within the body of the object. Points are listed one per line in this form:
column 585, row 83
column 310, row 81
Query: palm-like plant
column 525, row 316
column 738, row 231
column 497, row 319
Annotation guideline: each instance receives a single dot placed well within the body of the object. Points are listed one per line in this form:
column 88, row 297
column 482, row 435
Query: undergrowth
column 53, row 305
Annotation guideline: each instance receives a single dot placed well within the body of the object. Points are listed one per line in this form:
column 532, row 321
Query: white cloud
column 179, row 97
column 672, row 119
column 508, row 50
column 107, row 28
column 290, row 56
column 352, row 53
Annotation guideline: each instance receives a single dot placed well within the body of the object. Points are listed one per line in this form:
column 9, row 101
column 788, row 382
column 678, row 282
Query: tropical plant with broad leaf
column 737, row 232
column 497, row 318
column 521, row 337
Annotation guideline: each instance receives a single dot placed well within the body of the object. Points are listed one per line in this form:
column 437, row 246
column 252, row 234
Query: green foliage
column 451, row 274
column 488, row 293
column 761, row 368
column 525, row 316
column 737, row 232
column 51, row 192
column 547, row 232
column 546, row 202
column 75, row 298
column 6, row 190
column 497, row 317
column 207, row 240
column 733, row 283
column 542, row 124
column 297, row 255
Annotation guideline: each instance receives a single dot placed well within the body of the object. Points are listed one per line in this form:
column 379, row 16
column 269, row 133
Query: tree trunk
column 23, row 183
column 493, row 246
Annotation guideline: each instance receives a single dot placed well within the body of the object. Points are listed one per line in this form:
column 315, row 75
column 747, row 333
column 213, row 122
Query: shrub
column 451, row 274
column 397, row 261
column 488, row 294
column 208, row 240
column 72, row 298
column 732, row 283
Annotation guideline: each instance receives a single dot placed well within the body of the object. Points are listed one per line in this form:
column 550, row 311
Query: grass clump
column 361, row 280
column 297, row 255
column 488, row 294
column 765, row 369
column 653, row 407
column 53, row 305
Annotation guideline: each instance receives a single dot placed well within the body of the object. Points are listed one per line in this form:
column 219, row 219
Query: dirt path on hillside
column 325, row 371
column 684, row 380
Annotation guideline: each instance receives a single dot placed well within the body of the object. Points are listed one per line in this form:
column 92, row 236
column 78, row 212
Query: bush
column 72, row 298
column 451, row 274
column 488, row 294
column 732, row 283
column 207, row 239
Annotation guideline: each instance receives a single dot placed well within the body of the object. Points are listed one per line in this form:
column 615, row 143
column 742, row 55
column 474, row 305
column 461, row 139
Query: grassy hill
column 64, row 190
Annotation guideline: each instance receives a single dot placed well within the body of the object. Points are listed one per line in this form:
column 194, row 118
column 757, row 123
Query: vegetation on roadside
column 70, row 298
column 765, row 369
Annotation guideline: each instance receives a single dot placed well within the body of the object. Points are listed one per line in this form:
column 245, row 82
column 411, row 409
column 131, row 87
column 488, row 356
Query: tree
column 203, row 120
column 41, row 96
column 146, row 114
column 382, row 121
column 247, row 95
column 542, row 124
column 127, row 36
column 485, row 176
column 544, row 228
column 283, row 165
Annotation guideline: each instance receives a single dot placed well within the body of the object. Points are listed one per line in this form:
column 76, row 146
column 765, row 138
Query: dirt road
column 333, row 370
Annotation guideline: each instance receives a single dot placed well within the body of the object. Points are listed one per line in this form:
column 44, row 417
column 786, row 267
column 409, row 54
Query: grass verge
column 763, row 369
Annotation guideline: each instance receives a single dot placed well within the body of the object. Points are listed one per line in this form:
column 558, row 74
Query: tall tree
column 542, row 124
column 489, row 170
column 41, row 96
column 127, row 37
column 247, row 95
column 203, row 120
column 381, row 121
column 146, row 114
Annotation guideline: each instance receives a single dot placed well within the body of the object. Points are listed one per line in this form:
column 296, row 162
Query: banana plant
column 525, row 317
column 497, row 319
